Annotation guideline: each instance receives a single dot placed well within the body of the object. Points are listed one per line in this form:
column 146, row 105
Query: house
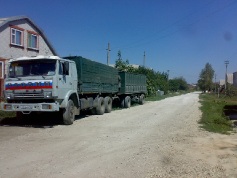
column 229, row 78
column 235, row 79
column 20, row 36
column 222, row 82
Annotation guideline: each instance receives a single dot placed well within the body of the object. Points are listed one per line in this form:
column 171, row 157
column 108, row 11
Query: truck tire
column 100, row 109
column 122, row 102
column 93, row 111
column 68, row 113
column 141, row 99
column 127, row 102
column 108, row 104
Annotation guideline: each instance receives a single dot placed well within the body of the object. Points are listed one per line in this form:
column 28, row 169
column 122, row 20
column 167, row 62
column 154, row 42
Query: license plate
column 26, row 107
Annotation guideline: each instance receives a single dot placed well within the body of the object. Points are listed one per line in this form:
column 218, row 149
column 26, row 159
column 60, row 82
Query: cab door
column 65, row 82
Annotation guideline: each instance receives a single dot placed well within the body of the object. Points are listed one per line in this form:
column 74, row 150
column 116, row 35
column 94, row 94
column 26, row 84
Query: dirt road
column 157, row 139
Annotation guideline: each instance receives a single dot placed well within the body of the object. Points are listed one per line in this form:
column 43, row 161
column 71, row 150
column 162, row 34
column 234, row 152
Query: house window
column 33, row 40
column 16, row 37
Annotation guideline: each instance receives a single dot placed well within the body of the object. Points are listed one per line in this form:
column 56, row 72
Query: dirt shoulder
column 157, row 139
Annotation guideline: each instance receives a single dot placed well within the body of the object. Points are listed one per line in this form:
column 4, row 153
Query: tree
column 123, row 65
column 205, row 78
column 155, row 80
column 178, row 84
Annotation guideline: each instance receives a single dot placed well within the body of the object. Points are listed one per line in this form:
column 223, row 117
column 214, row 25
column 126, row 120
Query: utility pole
column 226, row 64
column 108, row 54
column 144, row 58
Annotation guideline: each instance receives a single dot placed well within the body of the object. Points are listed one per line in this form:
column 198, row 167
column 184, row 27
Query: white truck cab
column 42, row 84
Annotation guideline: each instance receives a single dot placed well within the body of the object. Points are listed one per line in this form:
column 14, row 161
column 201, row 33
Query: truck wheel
column 68, row 113
column 122, row 102
column 108, row 104
column 141, row 99
column 100, row 109
column 93, row 111
column 127, row 102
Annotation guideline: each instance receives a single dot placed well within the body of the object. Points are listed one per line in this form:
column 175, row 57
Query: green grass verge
column 158, row 97
column 4, row 114
column 214, row 118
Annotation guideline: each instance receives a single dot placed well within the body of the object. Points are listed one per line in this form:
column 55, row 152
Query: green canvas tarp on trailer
column 94, row 77
column 132, row 83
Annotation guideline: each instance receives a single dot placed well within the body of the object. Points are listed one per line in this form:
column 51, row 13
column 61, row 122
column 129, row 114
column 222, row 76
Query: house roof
column 7, row 20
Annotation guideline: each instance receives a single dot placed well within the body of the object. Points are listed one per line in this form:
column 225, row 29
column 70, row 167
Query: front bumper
column 29, row 107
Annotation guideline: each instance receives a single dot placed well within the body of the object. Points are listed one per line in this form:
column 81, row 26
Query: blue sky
column 177, row 35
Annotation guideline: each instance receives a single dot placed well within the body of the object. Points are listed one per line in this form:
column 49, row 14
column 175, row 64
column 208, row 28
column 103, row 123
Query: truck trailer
column 67, row 86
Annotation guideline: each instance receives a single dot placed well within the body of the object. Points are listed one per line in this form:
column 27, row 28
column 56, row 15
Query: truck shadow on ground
column 48, row 120
column 231, row 112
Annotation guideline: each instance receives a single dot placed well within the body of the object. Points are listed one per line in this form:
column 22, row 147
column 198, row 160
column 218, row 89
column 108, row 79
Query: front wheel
column 141, row 99
column 68, row 113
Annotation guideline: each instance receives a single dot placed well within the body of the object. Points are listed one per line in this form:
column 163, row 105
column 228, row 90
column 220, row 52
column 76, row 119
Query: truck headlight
column 7, row 107
column 48, row 94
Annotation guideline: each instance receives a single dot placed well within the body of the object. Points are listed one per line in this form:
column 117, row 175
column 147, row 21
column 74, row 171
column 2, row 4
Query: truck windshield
column 35, row 67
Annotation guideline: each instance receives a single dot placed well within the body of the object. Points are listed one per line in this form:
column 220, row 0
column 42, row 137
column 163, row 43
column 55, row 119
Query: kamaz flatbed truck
column 68, row 85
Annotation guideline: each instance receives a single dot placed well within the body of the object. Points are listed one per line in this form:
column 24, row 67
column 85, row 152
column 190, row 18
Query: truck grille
column 29, row 95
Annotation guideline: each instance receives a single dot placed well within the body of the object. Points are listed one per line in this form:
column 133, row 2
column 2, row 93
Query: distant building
column 229, row 78
column 132, row 65
column 222, row 82
column 235, row 79
column 20, row 36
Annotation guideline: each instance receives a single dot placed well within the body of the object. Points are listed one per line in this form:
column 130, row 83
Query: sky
column 179, row 36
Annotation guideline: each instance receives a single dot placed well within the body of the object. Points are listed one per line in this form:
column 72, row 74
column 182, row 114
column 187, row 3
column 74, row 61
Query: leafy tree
column 173, row 85
column 178, row 84
column 155, row 80
column 205, row 78
column 123, row 65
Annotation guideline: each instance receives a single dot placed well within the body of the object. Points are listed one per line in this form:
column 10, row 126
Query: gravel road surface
column 157, row 139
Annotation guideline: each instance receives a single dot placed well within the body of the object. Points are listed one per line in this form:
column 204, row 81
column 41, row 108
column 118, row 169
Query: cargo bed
column 94, row 77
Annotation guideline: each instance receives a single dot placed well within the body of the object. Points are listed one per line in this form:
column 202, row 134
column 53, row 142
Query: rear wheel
column 122, row 102
column 100, row 109
column 127, row 102
column 68, row 113
column 141, row 99
column 108, row 104
column 93, row 111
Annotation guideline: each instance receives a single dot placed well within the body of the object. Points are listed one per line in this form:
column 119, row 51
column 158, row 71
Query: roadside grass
column 215, row 116
column 4, row 114
column 161, row 97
